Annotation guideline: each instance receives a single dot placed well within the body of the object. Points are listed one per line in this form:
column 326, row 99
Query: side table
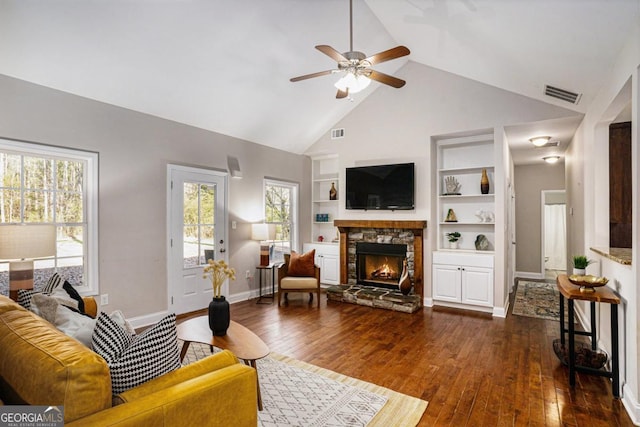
column 600, row 295
column 263, row 270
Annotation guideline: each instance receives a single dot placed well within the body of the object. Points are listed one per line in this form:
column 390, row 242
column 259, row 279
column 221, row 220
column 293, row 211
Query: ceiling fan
column 356, row 66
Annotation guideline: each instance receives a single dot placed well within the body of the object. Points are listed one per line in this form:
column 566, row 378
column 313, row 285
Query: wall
column 134, row 150
column 397, row 125
column 587, row 192
column 529, row 182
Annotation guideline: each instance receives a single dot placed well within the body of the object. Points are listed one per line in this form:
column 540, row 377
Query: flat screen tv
column 383, row 187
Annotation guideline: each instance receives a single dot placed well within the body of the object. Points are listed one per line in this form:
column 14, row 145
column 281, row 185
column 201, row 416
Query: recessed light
column 551, row 159
column 539, row 141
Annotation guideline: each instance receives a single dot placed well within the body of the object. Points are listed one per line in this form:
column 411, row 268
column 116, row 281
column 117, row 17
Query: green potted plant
column 580, row 263
column 453, row 238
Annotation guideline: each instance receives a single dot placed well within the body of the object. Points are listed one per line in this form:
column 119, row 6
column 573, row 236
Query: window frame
column 89, row 195
column 295, row 189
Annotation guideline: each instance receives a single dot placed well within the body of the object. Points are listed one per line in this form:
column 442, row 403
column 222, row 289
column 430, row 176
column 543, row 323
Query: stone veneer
column 378, row 235
column 408, row 232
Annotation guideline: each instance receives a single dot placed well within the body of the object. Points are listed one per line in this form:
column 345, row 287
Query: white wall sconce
column 540, row 141
column 551, row 159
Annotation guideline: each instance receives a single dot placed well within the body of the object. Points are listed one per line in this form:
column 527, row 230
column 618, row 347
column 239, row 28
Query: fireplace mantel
column 347, row 226
column 365, row 223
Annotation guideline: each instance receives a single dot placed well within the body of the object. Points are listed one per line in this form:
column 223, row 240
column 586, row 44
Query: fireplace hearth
column 406, row 232
column 379, row 264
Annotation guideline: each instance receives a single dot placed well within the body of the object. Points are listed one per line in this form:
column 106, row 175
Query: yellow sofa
column 39, row 365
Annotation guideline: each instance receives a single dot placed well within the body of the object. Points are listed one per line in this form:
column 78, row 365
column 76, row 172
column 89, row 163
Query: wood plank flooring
column 474, row 370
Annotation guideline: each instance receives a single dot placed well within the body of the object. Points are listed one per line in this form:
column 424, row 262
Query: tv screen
column 383, row 187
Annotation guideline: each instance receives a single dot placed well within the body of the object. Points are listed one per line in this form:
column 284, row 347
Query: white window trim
column 294, row 214
column 91, row 287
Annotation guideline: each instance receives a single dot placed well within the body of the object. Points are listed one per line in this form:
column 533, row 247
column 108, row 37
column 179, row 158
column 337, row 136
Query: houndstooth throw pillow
column 134, row 360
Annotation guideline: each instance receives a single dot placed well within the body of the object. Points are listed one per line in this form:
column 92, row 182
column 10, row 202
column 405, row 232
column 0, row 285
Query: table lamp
column 21, row 244
column 260, row 232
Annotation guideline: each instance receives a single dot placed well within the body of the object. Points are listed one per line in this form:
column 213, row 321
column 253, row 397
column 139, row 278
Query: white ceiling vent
column 562, row 94
column 337, row 133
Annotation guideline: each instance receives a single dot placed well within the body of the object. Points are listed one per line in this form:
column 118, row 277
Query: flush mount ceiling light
column 540, row 141
column 551, row 159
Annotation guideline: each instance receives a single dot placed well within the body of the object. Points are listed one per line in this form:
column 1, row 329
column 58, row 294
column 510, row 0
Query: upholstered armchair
column 299, row 274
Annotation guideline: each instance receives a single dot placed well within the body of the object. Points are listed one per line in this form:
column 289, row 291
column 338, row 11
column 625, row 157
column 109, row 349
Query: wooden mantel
column 365, row 223
column 416, row 227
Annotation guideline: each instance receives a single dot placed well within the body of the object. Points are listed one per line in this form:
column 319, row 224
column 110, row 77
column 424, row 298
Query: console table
column 600, row 295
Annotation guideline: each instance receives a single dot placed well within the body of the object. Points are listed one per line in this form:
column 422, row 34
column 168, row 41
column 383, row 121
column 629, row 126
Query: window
column 199, row 223
column 51, row 185
column 280, row 210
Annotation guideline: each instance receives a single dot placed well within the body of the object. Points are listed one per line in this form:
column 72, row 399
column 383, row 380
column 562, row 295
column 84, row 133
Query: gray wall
column 529, row 182
column 134, row 150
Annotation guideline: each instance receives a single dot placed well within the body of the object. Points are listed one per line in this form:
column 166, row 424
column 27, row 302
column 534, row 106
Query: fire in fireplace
column 379, row 264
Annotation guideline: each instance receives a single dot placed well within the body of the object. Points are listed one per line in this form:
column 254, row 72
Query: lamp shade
column 260, row 231
column 354, row 82
column 27, row 241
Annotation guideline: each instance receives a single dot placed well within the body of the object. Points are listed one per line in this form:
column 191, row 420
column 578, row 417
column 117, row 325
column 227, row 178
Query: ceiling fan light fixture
column 352, row 83
column 540, row 141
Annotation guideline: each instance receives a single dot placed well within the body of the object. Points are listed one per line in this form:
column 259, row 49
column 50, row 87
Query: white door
column 477, row 286
column 197, row 231
column 446, row 282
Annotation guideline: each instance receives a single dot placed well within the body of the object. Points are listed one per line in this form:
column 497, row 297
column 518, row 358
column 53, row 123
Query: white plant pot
column 579, row 271
column 453, row 245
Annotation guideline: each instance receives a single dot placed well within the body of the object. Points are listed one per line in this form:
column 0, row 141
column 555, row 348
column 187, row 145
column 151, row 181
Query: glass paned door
column 197, row 228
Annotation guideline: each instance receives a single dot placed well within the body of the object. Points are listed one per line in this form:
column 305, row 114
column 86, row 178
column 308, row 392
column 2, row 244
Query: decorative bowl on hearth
column 588, row 282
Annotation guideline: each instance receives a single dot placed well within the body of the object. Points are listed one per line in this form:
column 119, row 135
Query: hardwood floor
column 474, row 370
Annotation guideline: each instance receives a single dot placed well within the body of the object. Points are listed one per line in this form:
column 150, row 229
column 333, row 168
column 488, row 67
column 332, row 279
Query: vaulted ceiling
column 224, row 65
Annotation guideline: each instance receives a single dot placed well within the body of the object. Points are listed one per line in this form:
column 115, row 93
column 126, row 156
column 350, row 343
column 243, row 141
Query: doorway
column 554, row 233
column 197, row 218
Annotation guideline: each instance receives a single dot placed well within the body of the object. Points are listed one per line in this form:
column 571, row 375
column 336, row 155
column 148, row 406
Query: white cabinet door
column 446, row 283
column 329, row 269
column 477, row 286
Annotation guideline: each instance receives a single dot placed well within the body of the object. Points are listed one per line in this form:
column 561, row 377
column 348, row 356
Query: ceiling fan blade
column 388, row 55
column 309, row 76
column 332, row 53
column 386, row 79
column 342, row 93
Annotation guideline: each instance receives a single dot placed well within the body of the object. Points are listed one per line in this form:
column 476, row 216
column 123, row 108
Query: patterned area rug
column 295, row 393
column 537, row 299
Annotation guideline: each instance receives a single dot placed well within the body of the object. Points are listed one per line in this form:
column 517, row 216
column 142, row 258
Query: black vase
column 219, row 317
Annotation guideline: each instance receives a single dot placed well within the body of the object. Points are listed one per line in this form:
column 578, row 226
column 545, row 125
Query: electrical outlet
column 247, row 275
column 104, row 299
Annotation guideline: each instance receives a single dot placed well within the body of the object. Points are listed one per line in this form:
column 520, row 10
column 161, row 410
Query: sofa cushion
column 302, row 265
column 134, row 360
column 41, row 366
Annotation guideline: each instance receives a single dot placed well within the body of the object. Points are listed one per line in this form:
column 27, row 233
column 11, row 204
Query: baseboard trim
column 427, row 302
column 529, row 275
column 631, row 405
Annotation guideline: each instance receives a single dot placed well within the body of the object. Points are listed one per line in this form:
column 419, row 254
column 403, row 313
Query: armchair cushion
column 302, row 265
column 299, row 283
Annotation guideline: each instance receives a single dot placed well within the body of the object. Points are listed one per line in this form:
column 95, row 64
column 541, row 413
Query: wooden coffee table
column 246, row 345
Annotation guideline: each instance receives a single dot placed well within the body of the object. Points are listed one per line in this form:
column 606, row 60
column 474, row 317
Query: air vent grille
column 562, row 94
column 337, row 133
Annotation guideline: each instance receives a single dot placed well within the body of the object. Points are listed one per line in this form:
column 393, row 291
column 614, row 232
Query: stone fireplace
column 408, row 235
column 379, row 264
